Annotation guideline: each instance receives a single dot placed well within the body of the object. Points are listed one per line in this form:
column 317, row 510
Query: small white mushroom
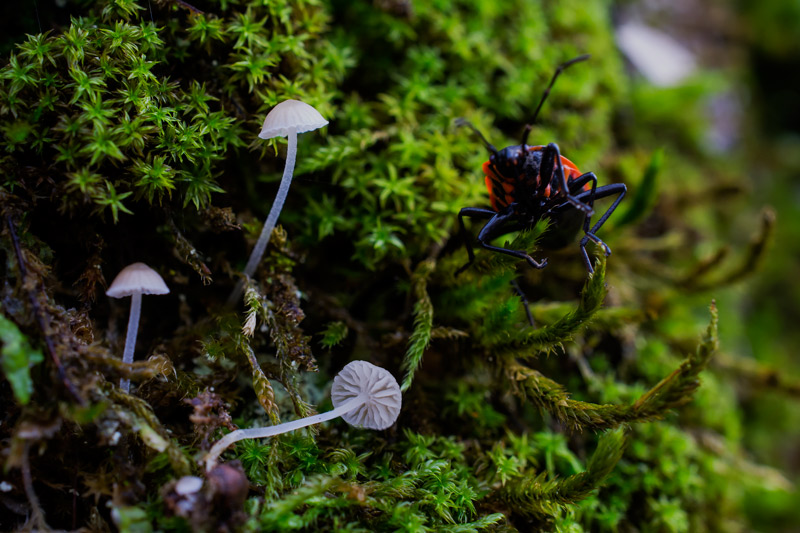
column 377, row 389
column 661, row 59
column 286, row 119
column 188, row 485
column 135, row 280
column 363, row 394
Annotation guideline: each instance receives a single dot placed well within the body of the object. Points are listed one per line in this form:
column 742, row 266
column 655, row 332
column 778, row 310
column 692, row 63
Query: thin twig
column 37, row 515
column 188, row 6
column 41, row 316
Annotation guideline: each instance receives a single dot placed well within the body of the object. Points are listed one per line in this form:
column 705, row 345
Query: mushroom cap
column 137, row 278
column 291, row 114
column 661, row 59
column 384, row 399
column 188, row 485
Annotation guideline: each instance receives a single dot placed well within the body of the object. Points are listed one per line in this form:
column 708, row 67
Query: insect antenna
column 464, row 122
column 558, row 71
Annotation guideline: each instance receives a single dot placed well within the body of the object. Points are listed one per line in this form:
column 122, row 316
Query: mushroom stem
column 270, row 431
column 277, row 205
column 272, row 217
column 130, row 337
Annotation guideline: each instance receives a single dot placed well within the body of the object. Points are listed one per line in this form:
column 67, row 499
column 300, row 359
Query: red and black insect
column 529, row 183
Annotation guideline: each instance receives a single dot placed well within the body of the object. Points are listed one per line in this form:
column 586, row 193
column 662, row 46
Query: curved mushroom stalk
column 271, row 431
column 130, row 336
column 363, row 395
column 277, row 205
column 287, row 119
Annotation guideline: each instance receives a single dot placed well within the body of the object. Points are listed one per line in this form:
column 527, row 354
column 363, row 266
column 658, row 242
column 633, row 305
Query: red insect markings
column 501, row 188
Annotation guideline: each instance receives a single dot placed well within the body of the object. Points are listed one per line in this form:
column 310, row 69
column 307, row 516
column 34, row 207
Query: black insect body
column 529, row 183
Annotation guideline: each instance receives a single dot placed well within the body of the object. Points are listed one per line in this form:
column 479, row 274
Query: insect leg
column 576, row 186
column 551, row 162
column 472, row 212
column 595, row 194
column 498, row 226
column 557, row 205
column 524, row 299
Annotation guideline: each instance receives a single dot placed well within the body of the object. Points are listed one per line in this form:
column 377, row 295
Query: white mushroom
column 379, row 392
column 188, row 485
column 662, row 60
column 135, row 280
column 286, row 119
column 363, row 394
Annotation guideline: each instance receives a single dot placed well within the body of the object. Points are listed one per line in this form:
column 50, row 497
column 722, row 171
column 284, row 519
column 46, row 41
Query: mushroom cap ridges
column 384, row 400
column 291, row 114
column 137, row 278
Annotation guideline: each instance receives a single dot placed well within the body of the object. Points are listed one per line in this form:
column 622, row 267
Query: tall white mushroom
column 286, row 119
column 135, row 280
column 363, row 394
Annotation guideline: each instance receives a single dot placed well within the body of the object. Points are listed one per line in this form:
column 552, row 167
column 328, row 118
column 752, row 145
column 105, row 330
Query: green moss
column 17, row 359
column 130, row 135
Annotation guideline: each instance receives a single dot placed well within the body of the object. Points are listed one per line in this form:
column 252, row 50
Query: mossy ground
column 129, row 134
